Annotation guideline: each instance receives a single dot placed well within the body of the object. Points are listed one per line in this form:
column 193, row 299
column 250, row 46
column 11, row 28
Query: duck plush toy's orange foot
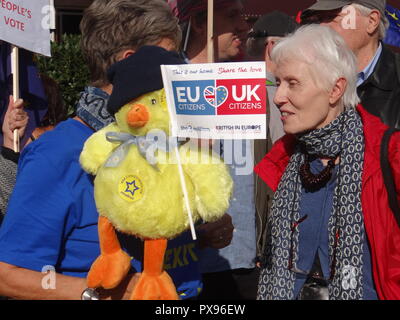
column 154, row 283
column 106, row 272
column 155, row 287
column 113, row 264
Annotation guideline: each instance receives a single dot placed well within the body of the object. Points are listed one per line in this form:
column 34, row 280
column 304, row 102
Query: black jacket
column 380, row 93
column 263, row 197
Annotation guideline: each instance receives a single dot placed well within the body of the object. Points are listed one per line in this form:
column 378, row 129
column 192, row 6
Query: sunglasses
column 319, row 17
column 258, row 34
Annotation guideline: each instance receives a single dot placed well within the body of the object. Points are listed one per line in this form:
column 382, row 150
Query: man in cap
column 229, row 272
column 362, row 24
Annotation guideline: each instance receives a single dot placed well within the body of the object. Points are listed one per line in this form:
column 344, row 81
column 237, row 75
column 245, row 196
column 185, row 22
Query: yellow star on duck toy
column 137, row 186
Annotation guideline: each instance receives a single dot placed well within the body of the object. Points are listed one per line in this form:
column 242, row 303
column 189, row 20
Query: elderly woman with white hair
column 331, row 233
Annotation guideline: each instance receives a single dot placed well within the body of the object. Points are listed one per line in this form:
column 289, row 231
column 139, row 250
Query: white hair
column 383, row 24
column 326, row 54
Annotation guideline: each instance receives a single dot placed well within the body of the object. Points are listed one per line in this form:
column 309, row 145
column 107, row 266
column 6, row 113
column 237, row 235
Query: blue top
column 52, row 218
column 241, row 253
column 314, row 234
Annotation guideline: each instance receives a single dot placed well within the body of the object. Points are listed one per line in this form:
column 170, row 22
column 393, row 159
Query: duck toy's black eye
column 153, row 101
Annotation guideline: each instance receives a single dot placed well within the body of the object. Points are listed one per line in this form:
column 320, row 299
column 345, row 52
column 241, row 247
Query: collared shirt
column 363, row 75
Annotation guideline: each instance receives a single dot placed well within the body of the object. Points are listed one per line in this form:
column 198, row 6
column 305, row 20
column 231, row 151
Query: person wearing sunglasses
column 265, row 33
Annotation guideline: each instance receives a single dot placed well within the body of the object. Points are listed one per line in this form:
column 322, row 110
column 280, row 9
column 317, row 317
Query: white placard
column 26, row 24
column 217, row 101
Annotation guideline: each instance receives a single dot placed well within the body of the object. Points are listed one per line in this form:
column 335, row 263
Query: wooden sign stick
column 210, row 31
column 15, row 73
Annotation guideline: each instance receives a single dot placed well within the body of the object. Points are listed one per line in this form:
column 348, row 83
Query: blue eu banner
column 393, row 34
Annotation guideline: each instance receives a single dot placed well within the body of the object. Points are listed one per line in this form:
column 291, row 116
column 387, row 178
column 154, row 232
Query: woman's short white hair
column 327, row 55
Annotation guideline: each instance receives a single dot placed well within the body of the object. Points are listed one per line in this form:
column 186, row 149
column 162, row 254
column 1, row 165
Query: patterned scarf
column 343, row 136
column 92, row 108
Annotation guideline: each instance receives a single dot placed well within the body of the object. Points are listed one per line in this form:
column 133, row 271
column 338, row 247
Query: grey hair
column 326, row 54
column 109, row 27
column 383, row 24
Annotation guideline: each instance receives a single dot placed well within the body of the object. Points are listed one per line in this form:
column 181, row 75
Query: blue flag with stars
column 393, row 33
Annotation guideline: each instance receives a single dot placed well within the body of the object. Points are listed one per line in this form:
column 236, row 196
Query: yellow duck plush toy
column 137, row 186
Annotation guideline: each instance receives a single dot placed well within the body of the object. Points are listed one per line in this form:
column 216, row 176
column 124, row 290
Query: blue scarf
column 92, row 108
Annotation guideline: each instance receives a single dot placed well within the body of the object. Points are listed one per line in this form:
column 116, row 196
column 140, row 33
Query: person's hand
column 216, row 234
column 15, row 118
column 123, row 291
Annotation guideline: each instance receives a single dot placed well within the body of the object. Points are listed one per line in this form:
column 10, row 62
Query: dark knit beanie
column 138, row 74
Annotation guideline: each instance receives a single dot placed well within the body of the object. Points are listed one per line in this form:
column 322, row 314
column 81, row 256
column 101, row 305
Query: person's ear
column 374, row 20
column 337, row 91
column 125, row 54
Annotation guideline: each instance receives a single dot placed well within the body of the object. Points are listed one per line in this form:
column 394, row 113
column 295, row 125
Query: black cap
column 138, row 74
column 276, row 24
column 323, row 5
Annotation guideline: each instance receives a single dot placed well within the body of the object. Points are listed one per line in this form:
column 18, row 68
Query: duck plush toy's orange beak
column 138, row 116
